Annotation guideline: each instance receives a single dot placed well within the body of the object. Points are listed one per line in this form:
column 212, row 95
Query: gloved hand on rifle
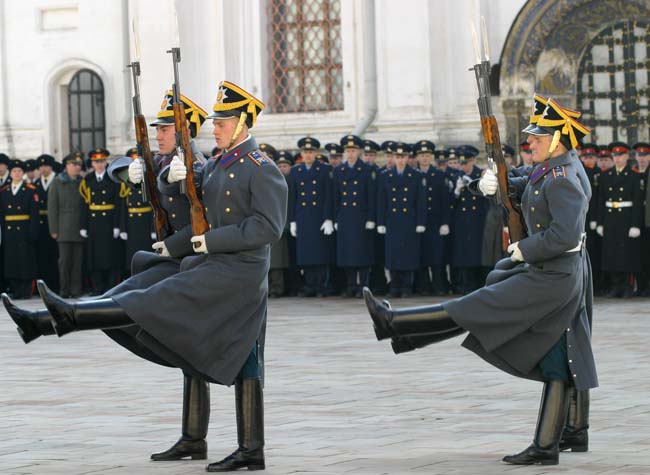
column 177, row 171
column 515, row 252
column 488, row 183
column 135, row 171
column 160, row 248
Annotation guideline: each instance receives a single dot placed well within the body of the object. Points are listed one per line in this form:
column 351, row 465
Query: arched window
column 614, row 83
column 86, row 122
column 305, row 66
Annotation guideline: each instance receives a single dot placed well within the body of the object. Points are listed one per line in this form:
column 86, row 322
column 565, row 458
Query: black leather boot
column 101, row 314
column 31, row 324
column 250, row 429
column 404, row 344
column 576, row 432
column 553, row 409
column 391, row 323
column 196, row 416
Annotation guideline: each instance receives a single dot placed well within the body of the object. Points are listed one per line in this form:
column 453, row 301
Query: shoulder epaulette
column 559, row 171
column 259, row 158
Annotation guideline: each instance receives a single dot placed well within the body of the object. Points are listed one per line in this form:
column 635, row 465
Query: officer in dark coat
column 47, row 252
column 429, row 279
column 377, row 277
column 4, row 179
column 100, row 222
column 620, row 218
column 402, row 217
column 642, row 151
column 355, row 209
column 589, row 156
column 468, row 218
column 310, row 216
column 512, row 322
column 19, row 214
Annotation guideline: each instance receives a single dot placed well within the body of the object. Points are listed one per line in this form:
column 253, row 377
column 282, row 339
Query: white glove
column 203, row 248
column 135, row 171
column 488, row 183
column 160, row 248
column 124, row 236
column 444, row 230
column 83, row 233
column 634, row 232
column 116, row 233
column 515, row 253
column 592, row 225
column 177, row 171
column 154, row 236
column 327, row 227
column 336, row 226
column 370, row 225
column 420, row 229
column 381, row 229
column 599, row 230
column 460, row 184
column 293, row 228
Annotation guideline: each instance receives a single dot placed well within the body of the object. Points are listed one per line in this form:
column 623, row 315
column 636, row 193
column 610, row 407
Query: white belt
column 619, row 204
column 581, row 244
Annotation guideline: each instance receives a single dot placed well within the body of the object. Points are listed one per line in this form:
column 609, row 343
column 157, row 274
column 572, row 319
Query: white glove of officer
column 381, row 229
column 444, row 230
column 124, row 236
column 293, row 228
column 154, row 236
column 202, row 247
column 460, row 184
column 336, row 226
column 599, row 230
column 327, row 227
column 420, row 229
column 515, row 253
column 135, row 171
column 592, row 225
column 116, row 233
column 634, row 232
column 177, row 171
column 488, row 183
column 83, row 233
column 160, row 248
column 370, row 225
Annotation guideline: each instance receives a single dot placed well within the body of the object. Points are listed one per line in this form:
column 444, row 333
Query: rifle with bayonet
column 149, row 186
column 184, row 151
column 496, row 161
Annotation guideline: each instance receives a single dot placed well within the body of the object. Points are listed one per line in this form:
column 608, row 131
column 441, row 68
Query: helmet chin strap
column 554, row 143
column 238, row 129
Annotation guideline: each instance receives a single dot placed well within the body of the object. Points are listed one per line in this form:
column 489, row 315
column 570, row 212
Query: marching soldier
column 469, row 212
column 136, row 217
column 401, row 216
column 355, row 208
column 431, row 278
column 642, row 151
column 100, row 222
column 620, row 219
column 47, row 252
column 310, row 216
column 19, row 214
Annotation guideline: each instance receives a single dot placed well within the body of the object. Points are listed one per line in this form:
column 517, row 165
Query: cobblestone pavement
column 337, row 401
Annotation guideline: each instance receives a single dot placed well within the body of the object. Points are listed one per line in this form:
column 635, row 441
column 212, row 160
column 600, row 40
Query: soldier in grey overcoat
column 532, row 317
column 207, row 318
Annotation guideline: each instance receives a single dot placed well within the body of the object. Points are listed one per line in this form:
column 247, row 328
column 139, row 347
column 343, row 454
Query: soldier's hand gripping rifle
column 149, row 187
column 184, row 151
column 516, row 224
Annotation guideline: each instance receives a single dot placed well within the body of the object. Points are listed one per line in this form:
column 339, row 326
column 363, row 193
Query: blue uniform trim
column 539, row 173
column 258, row 158
column 230, row 157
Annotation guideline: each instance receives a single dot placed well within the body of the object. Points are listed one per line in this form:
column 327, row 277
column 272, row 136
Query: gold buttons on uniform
column 406, row 188
column 354, row 203
column 463, row 209
column 345, row 203
column 227, row 192
column 314, row 192
column 103, row 213
column 538, row 225
column 171, row 199
column 241, row 160
column 313, row 203
column 227, row 210
column 206, row 208
column 394, row 189
column 570, row 361
column 462, row 199
column 92, row 215
column 537, row 192
column 302, row 183
column 304, row 203
column 173, row 215
column 314, row 182
column 473, row 208
column 532, row 208
column 394, row 210
column 302, row 193
column 103, row 192
column 231, row 175
column 430, row 199
column 404, row 209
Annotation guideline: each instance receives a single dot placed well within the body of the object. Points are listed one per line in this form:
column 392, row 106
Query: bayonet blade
column 486, row 46
column 477, row 50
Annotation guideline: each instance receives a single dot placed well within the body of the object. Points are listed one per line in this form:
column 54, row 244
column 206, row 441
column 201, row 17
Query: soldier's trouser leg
column 100, row 314
column 552, row 415
column 576, row 432
column 276, row 282
column 364, row 280
column 65, row 267
column 350, row 281
column 31, row 324
column 414, row 321
column 21, row 288
column 439, row 280
column 249, row 408
column 196, row 417
column 76, row 261
column 423, row 281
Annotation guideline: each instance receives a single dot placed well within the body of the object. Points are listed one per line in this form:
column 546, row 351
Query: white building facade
column 384, row 69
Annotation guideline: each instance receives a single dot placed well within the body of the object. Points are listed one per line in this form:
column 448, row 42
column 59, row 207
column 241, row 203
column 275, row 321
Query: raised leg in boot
column 404, row 344
column 196, row 417
column 101, row 314
column 249, row 405
column 389, row 323
column 576, row 432
column 553, row 409
column 31, row 324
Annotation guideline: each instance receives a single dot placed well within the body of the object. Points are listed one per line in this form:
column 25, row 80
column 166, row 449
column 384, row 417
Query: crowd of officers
column 411, row 225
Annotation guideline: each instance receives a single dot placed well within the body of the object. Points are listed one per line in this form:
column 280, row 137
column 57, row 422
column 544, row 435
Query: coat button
column 314, row 182
column 231, row 175
column 568, row 329
column 570, row 361
column 405, row 199
column 538, row 225
column 171, row 199
column 173, row 215
column 575, row 375
column 394, row 189
column 406, row 188
column 302, row 183
column 241, row 160
column 532, row 208
column 313, row 203
column 394, row 199
column 227, row 210
column 537, row 192
column 394, row 210
column 206, row 208
column 314, row 192
column 304, row 203
column 404, row 209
